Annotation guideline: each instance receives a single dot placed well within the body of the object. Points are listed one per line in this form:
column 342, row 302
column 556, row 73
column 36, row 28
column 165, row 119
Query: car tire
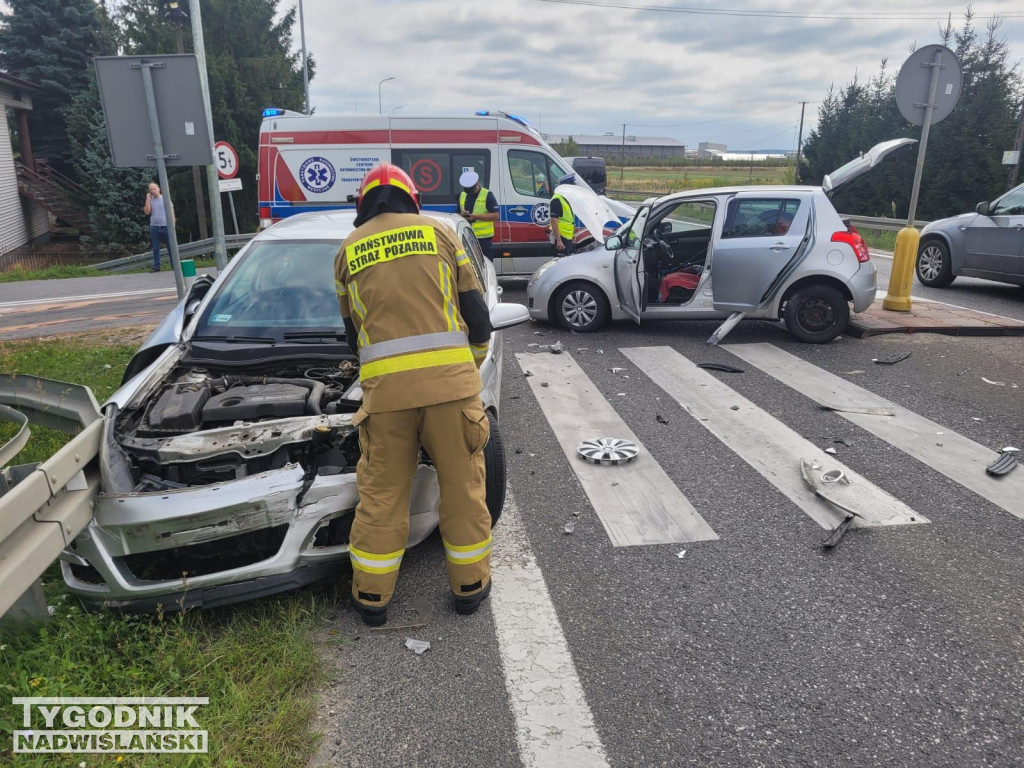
column 934, row 267
column 581, row 307
column 494, row 461
column 817, row 313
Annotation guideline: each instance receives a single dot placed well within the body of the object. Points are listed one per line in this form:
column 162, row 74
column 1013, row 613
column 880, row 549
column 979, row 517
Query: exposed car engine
column 202, row 426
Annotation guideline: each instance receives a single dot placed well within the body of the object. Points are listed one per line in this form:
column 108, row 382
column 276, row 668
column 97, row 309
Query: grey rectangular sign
column 179, row 106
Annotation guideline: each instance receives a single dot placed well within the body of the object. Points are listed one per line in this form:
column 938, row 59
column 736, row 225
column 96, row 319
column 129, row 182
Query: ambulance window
column 533, row 174
column 436, row 172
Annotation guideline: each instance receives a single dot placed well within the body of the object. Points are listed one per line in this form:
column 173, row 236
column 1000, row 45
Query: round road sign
column 915, row 78
column 226, row 159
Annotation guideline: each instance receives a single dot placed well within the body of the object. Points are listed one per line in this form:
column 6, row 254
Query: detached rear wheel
column 494, row 460
column 934, row 266
column 581, row 307
column 816, row 314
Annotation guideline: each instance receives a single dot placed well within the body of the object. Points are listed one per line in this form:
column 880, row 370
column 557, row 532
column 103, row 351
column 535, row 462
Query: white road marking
column 764, row 442
column 59, row 299
column 554, row 725
column 955, row 456
column 637, row 502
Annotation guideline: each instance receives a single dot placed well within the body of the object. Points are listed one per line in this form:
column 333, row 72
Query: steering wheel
column 661, row 248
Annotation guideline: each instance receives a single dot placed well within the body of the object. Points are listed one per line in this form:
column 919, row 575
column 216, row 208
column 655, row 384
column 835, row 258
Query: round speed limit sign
column 226, row 159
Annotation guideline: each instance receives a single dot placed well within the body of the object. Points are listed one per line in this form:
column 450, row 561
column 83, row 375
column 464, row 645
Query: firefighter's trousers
column 454, row 435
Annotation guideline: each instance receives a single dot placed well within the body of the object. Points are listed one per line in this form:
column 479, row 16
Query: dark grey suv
column 988, row 243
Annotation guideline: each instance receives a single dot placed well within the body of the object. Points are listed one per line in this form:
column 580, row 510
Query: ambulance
column 315, row 163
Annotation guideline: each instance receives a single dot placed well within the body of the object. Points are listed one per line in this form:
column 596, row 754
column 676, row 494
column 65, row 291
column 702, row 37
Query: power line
column 838, row 16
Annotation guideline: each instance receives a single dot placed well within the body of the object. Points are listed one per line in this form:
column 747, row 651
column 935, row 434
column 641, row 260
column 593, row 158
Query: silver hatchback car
column 227, row 467
column 729, row 253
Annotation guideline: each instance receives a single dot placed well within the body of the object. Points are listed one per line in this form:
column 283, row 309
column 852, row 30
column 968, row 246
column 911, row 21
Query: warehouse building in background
column 611, row 145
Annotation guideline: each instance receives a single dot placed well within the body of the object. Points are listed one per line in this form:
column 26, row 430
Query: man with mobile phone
column 154, row 208
column 478, row 206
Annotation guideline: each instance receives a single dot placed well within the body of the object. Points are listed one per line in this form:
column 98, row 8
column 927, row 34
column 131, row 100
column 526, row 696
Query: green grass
column 258, row 662
column 878, row 239
column 55, row 272
column 655, row 179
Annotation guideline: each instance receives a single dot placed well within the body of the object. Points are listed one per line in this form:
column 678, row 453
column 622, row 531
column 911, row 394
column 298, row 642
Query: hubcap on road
column 579, row 308
column 930, row 263
column 816, row 315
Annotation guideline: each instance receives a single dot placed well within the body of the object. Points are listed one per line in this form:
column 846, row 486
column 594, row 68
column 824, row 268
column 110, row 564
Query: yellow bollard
column 904, row 259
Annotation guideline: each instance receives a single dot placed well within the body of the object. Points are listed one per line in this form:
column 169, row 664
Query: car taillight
column 853, row 239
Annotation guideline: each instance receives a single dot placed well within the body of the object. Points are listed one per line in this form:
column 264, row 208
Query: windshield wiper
column 331, row 335
column 232, row 338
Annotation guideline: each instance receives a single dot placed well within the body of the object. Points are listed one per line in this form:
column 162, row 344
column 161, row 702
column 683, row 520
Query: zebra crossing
column 639, row 504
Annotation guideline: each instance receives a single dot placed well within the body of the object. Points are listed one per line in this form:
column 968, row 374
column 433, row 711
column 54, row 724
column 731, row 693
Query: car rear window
column 759, row 218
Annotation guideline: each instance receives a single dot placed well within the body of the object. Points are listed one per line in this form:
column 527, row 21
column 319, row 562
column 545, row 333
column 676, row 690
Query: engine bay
column 200, row 425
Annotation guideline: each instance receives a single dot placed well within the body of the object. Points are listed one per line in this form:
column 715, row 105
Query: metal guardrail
column 877, row 222
column 185, row 251
column 43, row 507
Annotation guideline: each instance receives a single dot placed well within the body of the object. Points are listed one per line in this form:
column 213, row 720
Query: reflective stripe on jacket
column 567, row 221
column 480, row 228
column 398, row 278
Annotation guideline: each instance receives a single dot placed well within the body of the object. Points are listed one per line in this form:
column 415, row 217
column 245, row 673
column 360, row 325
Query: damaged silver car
column 228, row 457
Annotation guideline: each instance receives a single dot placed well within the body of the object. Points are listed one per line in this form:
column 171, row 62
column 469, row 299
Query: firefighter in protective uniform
column 415, row 315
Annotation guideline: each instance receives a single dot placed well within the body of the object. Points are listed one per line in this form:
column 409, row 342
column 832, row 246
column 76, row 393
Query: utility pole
column 1018, row 146
column 212, row 185
column 197, row 186
column 305, row 69
column 622, row 155
column 799, row 144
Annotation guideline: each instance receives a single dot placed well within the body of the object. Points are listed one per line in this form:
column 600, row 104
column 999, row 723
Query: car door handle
column 779, row 247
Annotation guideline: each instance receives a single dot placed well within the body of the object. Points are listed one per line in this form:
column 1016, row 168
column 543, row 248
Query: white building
column 21, row 218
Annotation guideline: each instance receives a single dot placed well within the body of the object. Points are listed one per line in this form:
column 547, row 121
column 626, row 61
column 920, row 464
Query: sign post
column 227, row 169
column 922, row 102
column 167, row 97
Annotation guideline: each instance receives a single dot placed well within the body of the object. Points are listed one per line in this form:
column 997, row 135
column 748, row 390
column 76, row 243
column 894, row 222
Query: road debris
column 994, row 383
column 842, row 441
column 582, row 349
column 616, row 370
column 600, row 351
column 1006, row 463
column 539, row 333
column 681, row 554
column 869, row 409
column 851, row 373
column 834, row 476
column 831, row 451
column 723, row 330
column 556, row 348
column 830, row 493
column 976, row 418
column 720, row 367
column 419, row 647
column 527, row 374
column 544, row 384
column 661, row 419
column 891, row 360
column 965, row 370
column 608, row 450
column 569, row 527
column 620, row 394
column 734, row 407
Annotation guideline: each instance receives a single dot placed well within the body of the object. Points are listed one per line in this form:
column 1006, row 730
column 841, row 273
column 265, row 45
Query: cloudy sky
column 585, row 66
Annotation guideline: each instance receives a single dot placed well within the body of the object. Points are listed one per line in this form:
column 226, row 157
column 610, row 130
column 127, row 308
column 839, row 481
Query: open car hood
column 862, row 164
column 593, row 210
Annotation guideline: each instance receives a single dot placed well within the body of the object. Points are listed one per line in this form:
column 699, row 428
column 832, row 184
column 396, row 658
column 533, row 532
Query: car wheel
column 581, row 307
column 934, row 267
column 494, row 460
column 817, row 313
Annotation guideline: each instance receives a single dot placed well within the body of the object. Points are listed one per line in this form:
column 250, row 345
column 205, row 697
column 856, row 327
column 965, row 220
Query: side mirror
column 982, row 208
column 613, row 243
column 507, row 315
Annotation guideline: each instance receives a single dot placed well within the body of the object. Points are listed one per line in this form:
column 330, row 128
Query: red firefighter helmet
column 387, row 174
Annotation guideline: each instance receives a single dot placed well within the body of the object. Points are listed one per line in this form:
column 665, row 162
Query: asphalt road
column 902, row 646
column 49, row 307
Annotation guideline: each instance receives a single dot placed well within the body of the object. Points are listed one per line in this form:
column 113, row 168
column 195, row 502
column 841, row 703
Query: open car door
column 630, row 278
column 764, row 236
column 862, row 164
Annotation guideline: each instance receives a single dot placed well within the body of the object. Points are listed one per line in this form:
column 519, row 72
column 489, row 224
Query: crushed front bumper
column 253, row 536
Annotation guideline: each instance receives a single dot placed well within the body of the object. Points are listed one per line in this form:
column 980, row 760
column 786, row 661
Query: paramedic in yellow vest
column 562, row 221
column 479, row 207
column 415, row 315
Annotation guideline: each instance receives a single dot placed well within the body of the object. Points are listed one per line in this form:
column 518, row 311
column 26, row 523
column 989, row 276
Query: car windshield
column 279, row 287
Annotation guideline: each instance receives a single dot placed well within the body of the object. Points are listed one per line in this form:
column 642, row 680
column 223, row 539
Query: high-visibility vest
column 567, row 221
column 480, row 228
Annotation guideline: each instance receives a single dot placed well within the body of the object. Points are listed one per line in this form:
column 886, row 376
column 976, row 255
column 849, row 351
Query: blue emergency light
column 272, row 112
